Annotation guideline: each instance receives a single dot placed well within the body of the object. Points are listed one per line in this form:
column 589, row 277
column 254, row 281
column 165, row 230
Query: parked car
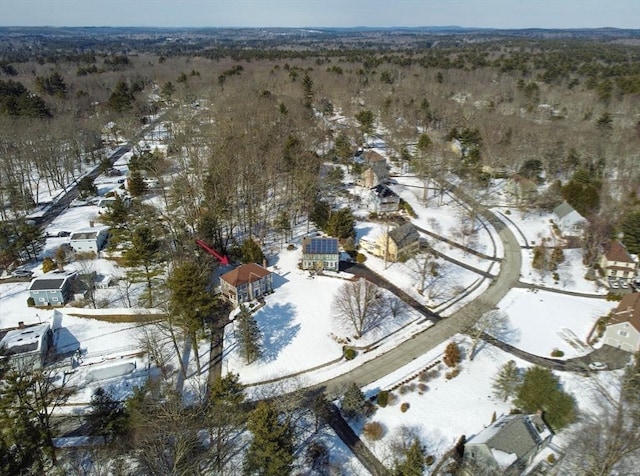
column 63, row 234
column 21, row 273
column 598, row 366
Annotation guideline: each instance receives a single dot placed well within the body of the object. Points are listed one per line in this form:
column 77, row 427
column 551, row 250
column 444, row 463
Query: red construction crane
column 208, row 249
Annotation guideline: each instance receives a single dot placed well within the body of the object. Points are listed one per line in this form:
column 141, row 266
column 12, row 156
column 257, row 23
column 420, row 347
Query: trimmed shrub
column 291, row 247
column 392, row 399
column 31, row 302
column 422, row 387
column 404, row 389
column 404, row 407
column 423, row 376
column 557, row 353
column 551, row 459
column 453, row 373
column 383, row 398
column 349, row 353
column 373, row 431
column 360, row 258
column 451, row 355
column 429, row 460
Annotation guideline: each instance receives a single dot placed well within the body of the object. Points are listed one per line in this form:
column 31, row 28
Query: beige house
column 507, row 446
column 623, row 328
column 617, row 265
column 375, row 171
column 246, row 283
column 396, row 245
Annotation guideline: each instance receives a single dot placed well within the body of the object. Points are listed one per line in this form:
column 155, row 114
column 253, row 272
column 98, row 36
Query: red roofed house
column 617, row 264
column 623, row 328
column 245, row 283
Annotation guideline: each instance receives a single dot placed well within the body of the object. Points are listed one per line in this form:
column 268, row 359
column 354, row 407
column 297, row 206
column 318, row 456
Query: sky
column 323, row 13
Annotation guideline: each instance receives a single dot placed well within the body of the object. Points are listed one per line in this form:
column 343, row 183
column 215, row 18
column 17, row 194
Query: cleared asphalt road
column 445, row 328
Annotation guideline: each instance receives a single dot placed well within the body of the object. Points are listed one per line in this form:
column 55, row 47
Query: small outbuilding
column 246, row 283
column 568, row 220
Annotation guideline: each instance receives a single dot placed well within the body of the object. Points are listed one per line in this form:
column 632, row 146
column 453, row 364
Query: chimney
column 91, row 223
column 21, row 325
column 264, row 262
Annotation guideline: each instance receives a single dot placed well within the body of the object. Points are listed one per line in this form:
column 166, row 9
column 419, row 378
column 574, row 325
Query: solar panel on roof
column 323, row 246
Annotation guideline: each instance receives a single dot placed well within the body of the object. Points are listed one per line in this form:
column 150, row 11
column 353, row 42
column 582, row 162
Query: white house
column 623, row 328
column 617, row 265
column 89, row 240
column 27, row 346
column 569, row 221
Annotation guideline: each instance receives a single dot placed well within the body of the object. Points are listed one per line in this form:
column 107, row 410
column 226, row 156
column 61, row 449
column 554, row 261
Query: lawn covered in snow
column 542, row 321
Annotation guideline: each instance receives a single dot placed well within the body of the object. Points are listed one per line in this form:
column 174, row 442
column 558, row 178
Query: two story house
column 53, row 288
column 568, row 220
column 246, row 283
column 320, row 253
column 623, row 328
column 617, row 265
column 89, row 240
column 383, row 200
column 396, row 245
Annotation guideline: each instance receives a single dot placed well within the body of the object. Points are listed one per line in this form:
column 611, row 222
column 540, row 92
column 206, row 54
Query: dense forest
column 251, row 119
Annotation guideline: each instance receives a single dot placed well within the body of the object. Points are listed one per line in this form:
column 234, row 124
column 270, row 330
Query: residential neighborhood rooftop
column 616, row 251
column 404, row 234
column 627, row 311
column 246, row 273
column 23, row 340
column 317, row 246
column 51, row 280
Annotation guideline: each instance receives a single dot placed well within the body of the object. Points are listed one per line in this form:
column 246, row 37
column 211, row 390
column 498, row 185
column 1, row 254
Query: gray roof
column 19, row 341
column 382, row 191
column 316, row 246
column 563, row 210
column 514, row 434
column 379, row 168
column 53, row 280
column 404, row 235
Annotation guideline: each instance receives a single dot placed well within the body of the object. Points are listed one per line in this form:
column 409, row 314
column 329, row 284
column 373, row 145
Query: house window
column 54, row 299
column 623, row 333
column 41, row 299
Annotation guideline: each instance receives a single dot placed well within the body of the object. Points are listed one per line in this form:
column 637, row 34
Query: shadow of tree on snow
column 278, row 330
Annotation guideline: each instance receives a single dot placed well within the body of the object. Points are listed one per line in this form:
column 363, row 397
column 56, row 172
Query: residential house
column 521, row 190
column 617, row 265
column 383, row 200
column 375, row 171
column 53, row 288
column 569, row 221
column 246, row 283
column 623, row 328
column 89, row 240
column 508, row 445
column 397, row 244
column 27, row 346
column 320, row 253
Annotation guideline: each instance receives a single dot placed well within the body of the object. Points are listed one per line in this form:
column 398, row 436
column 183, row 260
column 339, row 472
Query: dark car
column 64, row 233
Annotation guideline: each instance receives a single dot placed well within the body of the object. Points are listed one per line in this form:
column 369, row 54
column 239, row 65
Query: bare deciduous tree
column 357, row 303
column 494, row 322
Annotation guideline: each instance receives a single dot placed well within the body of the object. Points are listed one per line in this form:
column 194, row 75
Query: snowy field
column 541, row 321
column 529, row 227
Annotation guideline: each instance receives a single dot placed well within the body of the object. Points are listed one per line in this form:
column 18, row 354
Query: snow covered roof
column 23, row 340
column 382, row 191
column 88, row 233
column 512, row 435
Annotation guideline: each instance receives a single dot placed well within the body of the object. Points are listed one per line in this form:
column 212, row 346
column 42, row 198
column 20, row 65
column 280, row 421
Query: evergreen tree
column 341, row 224
column 631, row 229
column 121, row 99
column 354, row 403
column 248, row 335
column 145, row 252
column 106, row 416
column 136, row 184
column 86, row 187
column 320, row 213
column 413, row 463
column 250, row 252
column 508, row 380
column 270, row 452
column 540, row 390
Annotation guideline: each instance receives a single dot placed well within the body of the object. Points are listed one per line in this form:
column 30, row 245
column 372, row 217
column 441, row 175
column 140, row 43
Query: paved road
column 444, row 328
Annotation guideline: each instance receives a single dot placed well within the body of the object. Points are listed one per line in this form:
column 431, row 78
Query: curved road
column 446, row 328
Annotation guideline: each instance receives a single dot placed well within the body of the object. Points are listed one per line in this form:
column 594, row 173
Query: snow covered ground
column 542, row 321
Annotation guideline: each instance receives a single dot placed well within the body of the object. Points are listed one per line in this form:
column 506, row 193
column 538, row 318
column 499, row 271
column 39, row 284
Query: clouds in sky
column 310, row 13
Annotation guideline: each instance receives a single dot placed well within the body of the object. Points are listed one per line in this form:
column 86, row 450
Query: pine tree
column 540, row 390
column 414, row 461
column 248, row 335
column 251, row 252
column 145, row 252
column 354, row 403
column 631, row 229
column 136, row 184
column 341, row 224
column 506, row 383
column 270, row 452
